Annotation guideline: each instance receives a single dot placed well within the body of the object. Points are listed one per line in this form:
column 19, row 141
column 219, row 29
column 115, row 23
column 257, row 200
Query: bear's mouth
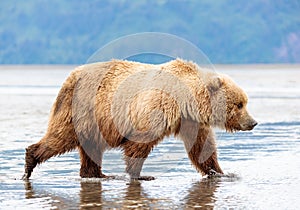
column 232, row 129
column 239, row 127
column 249, row 126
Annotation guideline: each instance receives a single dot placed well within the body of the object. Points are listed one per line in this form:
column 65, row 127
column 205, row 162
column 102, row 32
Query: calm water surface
column 265, row 162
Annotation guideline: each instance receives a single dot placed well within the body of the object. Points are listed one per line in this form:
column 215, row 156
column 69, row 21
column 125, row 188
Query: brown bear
column 133, row 106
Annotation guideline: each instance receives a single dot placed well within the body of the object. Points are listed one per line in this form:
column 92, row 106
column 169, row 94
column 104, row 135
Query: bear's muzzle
column 249, row 124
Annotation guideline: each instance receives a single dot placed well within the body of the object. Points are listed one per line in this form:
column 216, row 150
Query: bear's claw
column 25, row 176
column 145, row 178
column 211, row 173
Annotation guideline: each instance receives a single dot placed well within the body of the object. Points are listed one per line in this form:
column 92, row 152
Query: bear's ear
column 214, row 84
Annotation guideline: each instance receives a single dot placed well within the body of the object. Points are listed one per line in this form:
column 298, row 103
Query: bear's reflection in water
column 202, row 194
column 90, row 194
column 93, row 196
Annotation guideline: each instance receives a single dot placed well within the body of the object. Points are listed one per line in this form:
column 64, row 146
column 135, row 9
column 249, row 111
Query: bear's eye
column 240, row 105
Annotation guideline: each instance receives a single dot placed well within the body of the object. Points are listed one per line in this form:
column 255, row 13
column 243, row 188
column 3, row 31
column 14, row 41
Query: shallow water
column 263, row 165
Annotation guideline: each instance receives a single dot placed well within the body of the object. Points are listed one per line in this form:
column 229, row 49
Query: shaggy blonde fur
column 133, row 106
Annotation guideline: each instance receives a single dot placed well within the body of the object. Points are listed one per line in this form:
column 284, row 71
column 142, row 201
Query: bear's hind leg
column 47, row 147
column 89, row 168
column 30, row 160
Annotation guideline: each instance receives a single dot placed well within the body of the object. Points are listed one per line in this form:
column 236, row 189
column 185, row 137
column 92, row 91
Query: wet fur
column 136, row 132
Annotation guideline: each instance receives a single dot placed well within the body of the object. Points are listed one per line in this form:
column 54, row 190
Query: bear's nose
column 249, row 126
column 254, row 124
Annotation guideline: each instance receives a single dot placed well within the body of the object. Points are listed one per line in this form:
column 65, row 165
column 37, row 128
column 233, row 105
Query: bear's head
column 228, row 105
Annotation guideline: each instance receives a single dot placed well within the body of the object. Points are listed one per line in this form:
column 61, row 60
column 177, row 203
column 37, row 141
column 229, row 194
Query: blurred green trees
column 228, row 31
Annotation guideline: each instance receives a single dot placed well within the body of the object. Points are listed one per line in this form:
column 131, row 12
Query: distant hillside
column 68, row 32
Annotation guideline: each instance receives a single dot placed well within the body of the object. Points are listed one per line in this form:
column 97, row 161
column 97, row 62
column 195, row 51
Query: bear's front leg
column 200, row 144
column 135, row 154
column 203, row 153
column 134, row 167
